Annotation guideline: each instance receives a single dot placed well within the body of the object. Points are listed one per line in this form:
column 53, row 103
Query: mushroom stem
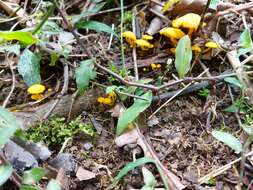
column 206, row 50
column 191, row 30
column 174, row 41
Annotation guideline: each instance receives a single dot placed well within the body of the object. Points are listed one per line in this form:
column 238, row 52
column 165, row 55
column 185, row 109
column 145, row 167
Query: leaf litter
column 180, row 135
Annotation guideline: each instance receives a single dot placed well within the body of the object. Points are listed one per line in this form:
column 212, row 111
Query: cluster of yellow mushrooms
column 189, row 21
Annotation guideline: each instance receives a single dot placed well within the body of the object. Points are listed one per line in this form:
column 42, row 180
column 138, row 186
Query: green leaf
column 229, row 140
column 25, row 37
column 27, row 187
column 233, row 81
column 29, row 67
column 11, row 48
column 131, row 113
column 5, row 173
column 213, row 4
column 84, row 74
column 8, row 126
column 183, row 56
column 148, row 177
column 130, row 166
column 248, row 129
column 231, row 109
column 245, row 42
column 32, row 176
column 169, row 4
column 94, row 25
column 53, row 185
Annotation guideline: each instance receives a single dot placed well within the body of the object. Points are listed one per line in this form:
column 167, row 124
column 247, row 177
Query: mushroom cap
column 143, row 44
column 147, row 37
column 196, row 48
column 36, row 89
column 37, row 96
column 190, row 20
column 172, row 32
column 130, row 37
column 212, row 45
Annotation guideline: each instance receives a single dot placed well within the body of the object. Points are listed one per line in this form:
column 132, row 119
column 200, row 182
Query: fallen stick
column 34, row 115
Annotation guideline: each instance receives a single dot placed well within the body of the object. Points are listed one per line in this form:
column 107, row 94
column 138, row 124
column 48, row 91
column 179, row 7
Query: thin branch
column 12, row 87
column 236, row 8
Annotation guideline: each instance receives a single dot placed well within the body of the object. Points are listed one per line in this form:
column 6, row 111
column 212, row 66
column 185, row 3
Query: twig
column 134, row 48
column 131, row 95
column 169, row 100
column 63, row 91
column 160, row 16
column 222, row 169
column 72, row 103
column 111, row 37
column 237, row 8
column 12, row 86
column 203, row 14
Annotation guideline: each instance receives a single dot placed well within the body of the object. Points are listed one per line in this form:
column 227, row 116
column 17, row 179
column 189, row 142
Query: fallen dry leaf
column 83, row 174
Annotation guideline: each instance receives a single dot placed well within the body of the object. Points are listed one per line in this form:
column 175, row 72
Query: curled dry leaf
column 83, row 174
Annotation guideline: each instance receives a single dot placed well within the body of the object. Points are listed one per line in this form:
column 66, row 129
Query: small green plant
column 56, row 130
column 204, row 92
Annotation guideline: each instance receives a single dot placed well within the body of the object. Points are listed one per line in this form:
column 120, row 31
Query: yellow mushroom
column 109, row 100
column 143, row 44
column 173, row 34
column 196, row 49
column 190, row 21
column 130, row 38
column 173, row 50
column 147, row 37
column 210, row 45
column 155, row 66
column 36, row 91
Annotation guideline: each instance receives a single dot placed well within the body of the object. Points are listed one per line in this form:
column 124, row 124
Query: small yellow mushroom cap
column 212, row 45
column 172, row 32
column 129, row 37
column 190, row 20
column 143, row 44
column 173, row 50
column 196, row 48
column 36, row 89
column 147, row 37
column 37, row 96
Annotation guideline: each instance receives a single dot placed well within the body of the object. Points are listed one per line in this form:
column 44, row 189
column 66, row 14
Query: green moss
column 54, row 131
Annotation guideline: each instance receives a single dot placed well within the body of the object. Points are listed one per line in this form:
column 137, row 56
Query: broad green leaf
column 245, row 43
column 5, row 173
column 148, row 177
column 169, row 4
column 8, row 126
column 183, row 56
column 233, row 81
column 213, row 4
column 131, row 113
column 232, row 109
column 84, row 74
column 146, row 187
column 53, row 185
column 94, row 25
column 27, row 187
column 11, row 48
column 130, row 166
column 229, row 140
column 32, row 176
column 29, row 67
column 25, row 37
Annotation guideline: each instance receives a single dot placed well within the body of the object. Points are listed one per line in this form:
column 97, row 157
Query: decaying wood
column 242, row 76
column 84, row 102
